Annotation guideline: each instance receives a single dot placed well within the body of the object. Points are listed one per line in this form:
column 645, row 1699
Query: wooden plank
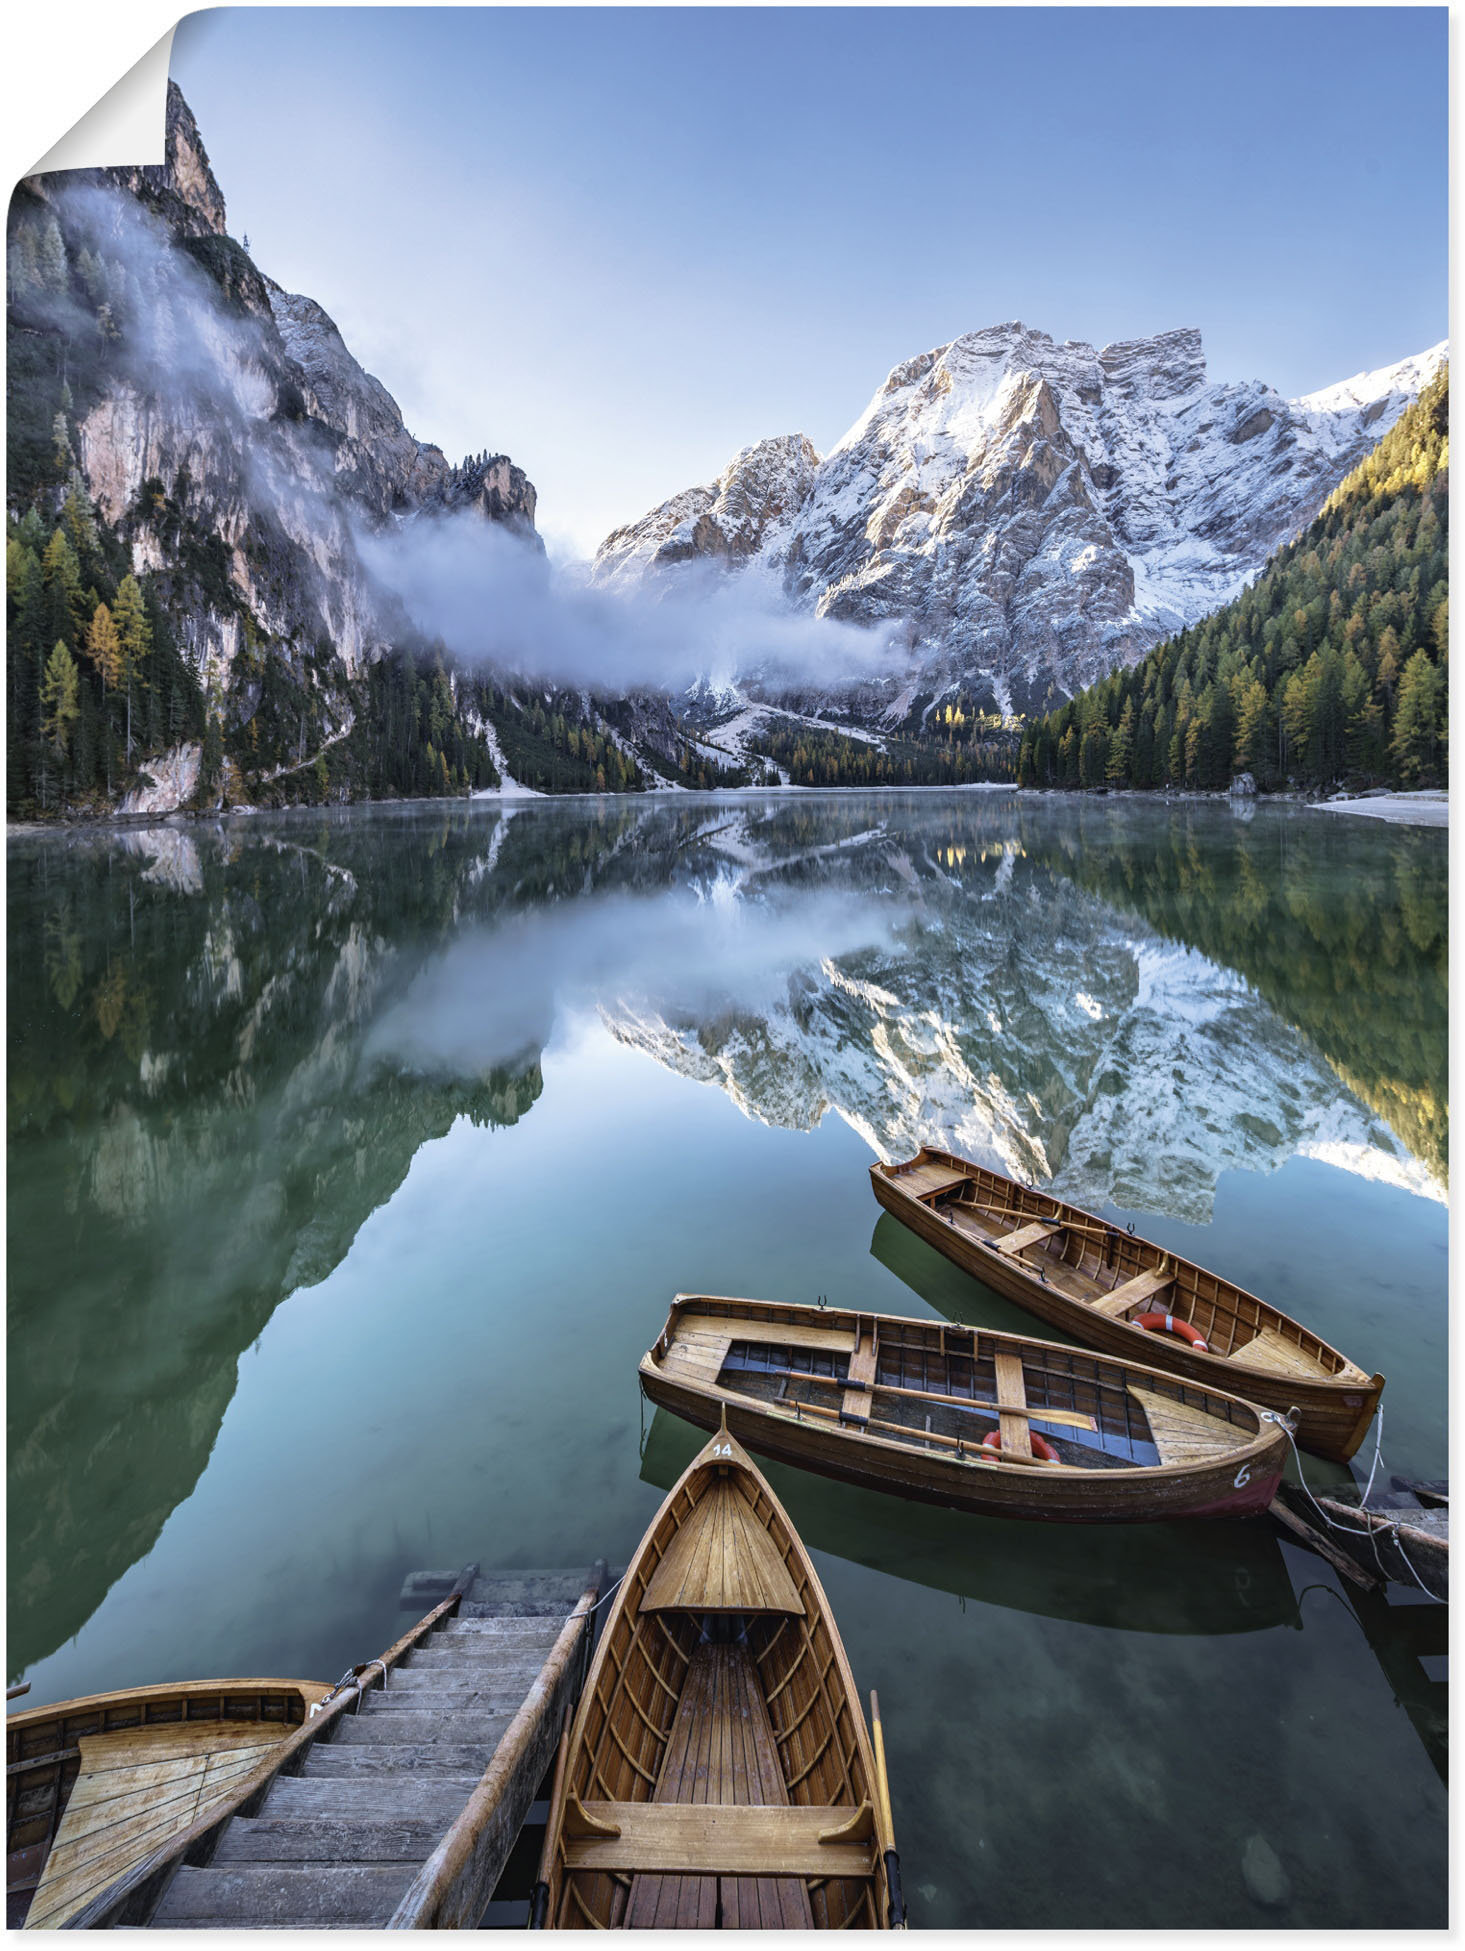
column 1121, row 1298
column 779, row 1334
column 1025, row 1236
column 712, row 1838
column 862, row 1361
column 1012, row 1401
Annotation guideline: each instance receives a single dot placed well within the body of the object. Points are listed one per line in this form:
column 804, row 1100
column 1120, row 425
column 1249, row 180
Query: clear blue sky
column 619, row 244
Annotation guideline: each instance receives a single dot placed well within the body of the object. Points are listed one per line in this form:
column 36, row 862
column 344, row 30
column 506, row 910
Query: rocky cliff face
column 222, row 426
column 1034, row 513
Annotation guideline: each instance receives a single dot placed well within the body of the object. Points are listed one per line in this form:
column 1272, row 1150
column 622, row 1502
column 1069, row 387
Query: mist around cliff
column 493, row 599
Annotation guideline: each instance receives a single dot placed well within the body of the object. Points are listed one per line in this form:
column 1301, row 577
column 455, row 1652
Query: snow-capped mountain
column 1035, row 513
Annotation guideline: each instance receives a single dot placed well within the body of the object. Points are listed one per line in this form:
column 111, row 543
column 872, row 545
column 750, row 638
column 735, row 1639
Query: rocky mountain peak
column 1033, row 512
column 1167, row 366
column 187, row 165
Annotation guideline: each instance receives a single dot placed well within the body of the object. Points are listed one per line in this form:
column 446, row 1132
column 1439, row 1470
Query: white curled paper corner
column 126, row 128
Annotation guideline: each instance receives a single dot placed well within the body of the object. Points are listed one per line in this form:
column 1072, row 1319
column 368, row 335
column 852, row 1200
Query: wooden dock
column 397, row 1804
column 1402, row 1534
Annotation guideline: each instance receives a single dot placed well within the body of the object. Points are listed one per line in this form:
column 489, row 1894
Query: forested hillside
column 1333, row 665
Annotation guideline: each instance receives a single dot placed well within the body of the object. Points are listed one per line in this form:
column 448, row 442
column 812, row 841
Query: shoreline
column 1427, row 808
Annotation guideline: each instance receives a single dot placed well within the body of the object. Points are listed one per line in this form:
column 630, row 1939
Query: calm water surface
column 354, row 1160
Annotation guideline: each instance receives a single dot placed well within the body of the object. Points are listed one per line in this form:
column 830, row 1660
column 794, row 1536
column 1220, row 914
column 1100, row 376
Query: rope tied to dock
column 578, row 1614
column 1390, row 1523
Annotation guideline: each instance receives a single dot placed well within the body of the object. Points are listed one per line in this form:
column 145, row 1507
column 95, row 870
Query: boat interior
column 96, row 1785
column 941, row 1388
column 716, row 1779
column 1111, row 1271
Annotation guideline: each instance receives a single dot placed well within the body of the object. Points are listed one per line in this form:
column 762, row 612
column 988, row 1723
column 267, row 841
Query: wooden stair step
column 369, row 1798
column 530, row 1594
column 325, row 1896
column 466, row 1659
column 499, row 1632
column 419, row 1726
column 484, row 1697
column 332, row 1838
column 403, row 1757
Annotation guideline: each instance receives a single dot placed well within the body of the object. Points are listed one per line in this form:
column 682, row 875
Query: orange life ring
column 1041, row 1448
column 1170, row 1324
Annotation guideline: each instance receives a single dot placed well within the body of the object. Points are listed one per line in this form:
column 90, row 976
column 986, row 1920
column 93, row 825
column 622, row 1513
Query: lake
column 355, row 1158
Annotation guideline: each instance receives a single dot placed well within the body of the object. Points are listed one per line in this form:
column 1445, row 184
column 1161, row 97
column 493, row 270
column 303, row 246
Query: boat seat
column 719, row 1839
column 1026, row 1236
column 1012, row 1405
column 1120, row 1299
column 1270, row 1350
column 931, row 1181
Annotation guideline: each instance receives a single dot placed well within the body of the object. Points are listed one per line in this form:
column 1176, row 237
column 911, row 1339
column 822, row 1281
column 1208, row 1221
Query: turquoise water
column 355, row 1159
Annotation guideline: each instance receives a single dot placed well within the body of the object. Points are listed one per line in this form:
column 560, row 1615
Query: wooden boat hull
column 1334, row 1411
column 719, row 1771
column 95, row 1785
column 1231, row 1478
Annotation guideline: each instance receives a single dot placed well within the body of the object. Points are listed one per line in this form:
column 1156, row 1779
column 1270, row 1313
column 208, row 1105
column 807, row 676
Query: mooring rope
column 1371, row 1532
column 577, row 1614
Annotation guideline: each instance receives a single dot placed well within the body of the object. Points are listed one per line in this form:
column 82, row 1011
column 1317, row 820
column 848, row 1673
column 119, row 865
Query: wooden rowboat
column 719, row 1773
column 1096, row 1281
column 93, row 1786
column 961, row 1417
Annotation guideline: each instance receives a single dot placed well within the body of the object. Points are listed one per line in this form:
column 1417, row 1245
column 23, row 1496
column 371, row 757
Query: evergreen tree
column 59, row 699
column 1417, row 724
column 135, row 642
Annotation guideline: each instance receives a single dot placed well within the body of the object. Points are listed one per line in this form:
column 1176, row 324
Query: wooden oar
column 882, row 1789
column 539, row 1895
column 977, row 1455
column 1072, row 1418
column 1103, row 1227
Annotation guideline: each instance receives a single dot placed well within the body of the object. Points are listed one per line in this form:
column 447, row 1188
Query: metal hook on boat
column 1130, row 1229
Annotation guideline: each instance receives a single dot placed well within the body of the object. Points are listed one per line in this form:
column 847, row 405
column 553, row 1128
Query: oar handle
column 887, row 1821
column 539, row 1895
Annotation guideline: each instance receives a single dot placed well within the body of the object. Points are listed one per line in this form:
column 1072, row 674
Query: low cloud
column 491, row 596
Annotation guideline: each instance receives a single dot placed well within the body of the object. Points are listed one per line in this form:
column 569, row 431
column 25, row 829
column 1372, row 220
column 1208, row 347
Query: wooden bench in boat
column 861, row 1372
column 1025, row 1236
column 1012, row 1405
column 708, row 1333
column 1271, row 1350
column 1120, row 1299
column 1180, row 1433
column 719, row 1839
column 930, row 1181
